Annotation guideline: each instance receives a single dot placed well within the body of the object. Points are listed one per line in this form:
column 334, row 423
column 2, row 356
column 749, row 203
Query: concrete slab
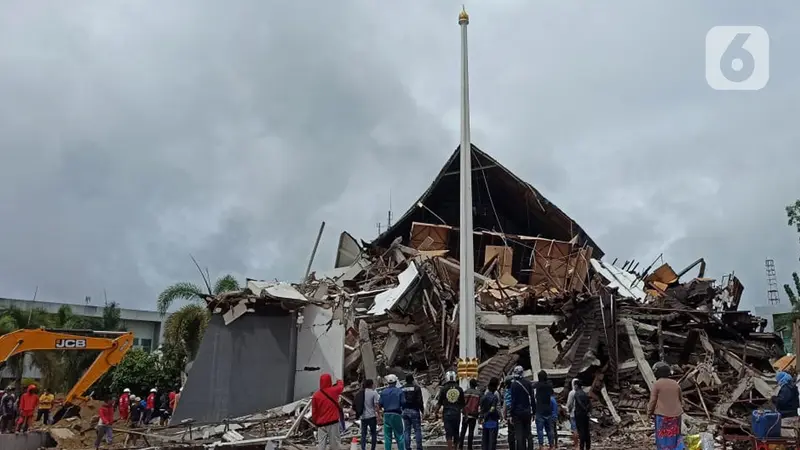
column 28, row 441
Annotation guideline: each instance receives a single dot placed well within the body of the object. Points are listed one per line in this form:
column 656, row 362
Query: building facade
column 147, row 326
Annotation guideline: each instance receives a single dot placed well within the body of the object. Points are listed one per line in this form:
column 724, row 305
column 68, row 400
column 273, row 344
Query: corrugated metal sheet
column 626, row 282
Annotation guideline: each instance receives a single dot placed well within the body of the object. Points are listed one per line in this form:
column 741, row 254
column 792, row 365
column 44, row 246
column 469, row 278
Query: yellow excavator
column 112, row 346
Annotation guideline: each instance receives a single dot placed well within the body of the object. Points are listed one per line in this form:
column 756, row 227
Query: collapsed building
column 545, row 300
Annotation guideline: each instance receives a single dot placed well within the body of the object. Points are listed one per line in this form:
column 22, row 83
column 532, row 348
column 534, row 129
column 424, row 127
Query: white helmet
column 391, row 378
column 153, row 390
column 126, row 391
column 450, row 376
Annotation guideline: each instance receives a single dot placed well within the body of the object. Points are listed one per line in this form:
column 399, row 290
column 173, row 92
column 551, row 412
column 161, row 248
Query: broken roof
column 520, row 208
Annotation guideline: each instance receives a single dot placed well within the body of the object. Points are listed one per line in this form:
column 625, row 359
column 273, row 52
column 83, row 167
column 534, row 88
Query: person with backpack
column 413, row 407
column 571, row 412
column 366, row 408
column 522, row 409
column 472, row 401
column 583, row 409
column 489, row 413
column 8, row 410
column 451, row 401
column 326, row 412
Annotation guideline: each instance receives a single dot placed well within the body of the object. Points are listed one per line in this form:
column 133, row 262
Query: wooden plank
column 638, row 354
column 610, row 405
column 743, row 386
column 367, row 352
column 505, row 257
column 533, row 341
column 496, row 321
column 434, row 237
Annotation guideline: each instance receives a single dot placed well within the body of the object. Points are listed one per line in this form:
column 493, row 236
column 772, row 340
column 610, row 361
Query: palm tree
column 186, row 326
column 193, row 292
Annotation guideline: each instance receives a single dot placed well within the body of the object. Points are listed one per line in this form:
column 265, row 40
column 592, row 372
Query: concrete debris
column 575, row 317
column 545, row 300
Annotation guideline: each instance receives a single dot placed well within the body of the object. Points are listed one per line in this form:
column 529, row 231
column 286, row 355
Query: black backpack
column 583, row 405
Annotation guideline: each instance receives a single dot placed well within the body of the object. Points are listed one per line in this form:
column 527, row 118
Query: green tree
column 140, row 370
column 186, row 326
column 13, row 319
column 192, row 292
column 793, row 214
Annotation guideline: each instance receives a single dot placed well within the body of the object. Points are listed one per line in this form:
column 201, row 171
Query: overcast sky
column 135, row 133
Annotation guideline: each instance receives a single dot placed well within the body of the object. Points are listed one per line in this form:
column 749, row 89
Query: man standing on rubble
column 522, row 408
column 326, row 412
column 451, row 399
column 150, row 406
column 544, row 410
column 472, row 400
column 391, row 402
column 413, row 407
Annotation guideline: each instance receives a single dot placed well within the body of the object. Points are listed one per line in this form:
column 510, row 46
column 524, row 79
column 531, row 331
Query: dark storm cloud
column 135, row 133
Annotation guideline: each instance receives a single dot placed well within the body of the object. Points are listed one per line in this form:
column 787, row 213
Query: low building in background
column 147, row 326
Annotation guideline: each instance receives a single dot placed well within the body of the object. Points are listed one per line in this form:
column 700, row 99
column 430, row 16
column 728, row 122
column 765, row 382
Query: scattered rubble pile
column 574, row 316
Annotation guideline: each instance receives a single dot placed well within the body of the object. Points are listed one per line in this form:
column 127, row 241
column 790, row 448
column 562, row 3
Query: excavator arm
column 112, row 350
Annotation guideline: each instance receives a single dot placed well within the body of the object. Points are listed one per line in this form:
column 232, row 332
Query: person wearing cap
column 45, row 406
column 150, row 406
column 125, row 405
column 666, row 404
column 451, row 400
column 136, row 417
column 522, row 409
column 391, row 402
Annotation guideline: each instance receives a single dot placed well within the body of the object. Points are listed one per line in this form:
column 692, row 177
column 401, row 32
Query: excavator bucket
column 66, row 411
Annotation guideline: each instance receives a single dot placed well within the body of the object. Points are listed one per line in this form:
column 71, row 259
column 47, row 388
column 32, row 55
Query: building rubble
column 545, row 300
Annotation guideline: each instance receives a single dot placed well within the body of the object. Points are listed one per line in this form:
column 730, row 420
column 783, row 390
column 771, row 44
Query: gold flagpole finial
column 463, row 17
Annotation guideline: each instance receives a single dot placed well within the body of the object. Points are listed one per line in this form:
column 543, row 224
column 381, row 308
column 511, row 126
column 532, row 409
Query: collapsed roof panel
column 519, row 207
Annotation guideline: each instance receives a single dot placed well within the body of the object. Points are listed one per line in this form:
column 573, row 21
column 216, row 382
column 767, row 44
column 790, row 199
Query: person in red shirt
column 125, row 405
column 27, row 408
column 151, row 406
column 326, row 412
column 106, row 414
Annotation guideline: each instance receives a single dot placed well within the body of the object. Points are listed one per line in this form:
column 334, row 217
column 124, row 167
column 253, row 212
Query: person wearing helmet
column 125, row 405
column 150, row 406
column 27, row 408
column 451, row 400
column 137, row 411
column 521, row 410
column 391, row 401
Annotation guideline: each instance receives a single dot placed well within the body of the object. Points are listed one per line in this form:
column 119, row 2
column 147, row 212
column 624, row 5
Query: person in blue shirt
column 489, row 412
column 507, row 413
column 554, row 419
column 391, row 402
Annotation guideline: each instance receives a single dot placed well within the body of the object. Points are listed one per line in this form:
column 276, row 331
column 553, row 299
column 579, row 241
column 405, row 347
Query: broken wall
column 217, row 386
column 320, row 349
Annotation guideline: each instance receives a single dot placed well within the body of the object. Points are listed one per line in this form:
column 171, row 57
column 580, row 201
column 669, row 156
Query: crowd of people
column 18, row 414
column 136, row 412
column 515, row 400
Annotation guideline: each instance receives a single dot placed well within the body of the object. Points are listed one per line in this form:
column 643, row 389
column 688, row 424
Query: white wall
column 318, row 346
